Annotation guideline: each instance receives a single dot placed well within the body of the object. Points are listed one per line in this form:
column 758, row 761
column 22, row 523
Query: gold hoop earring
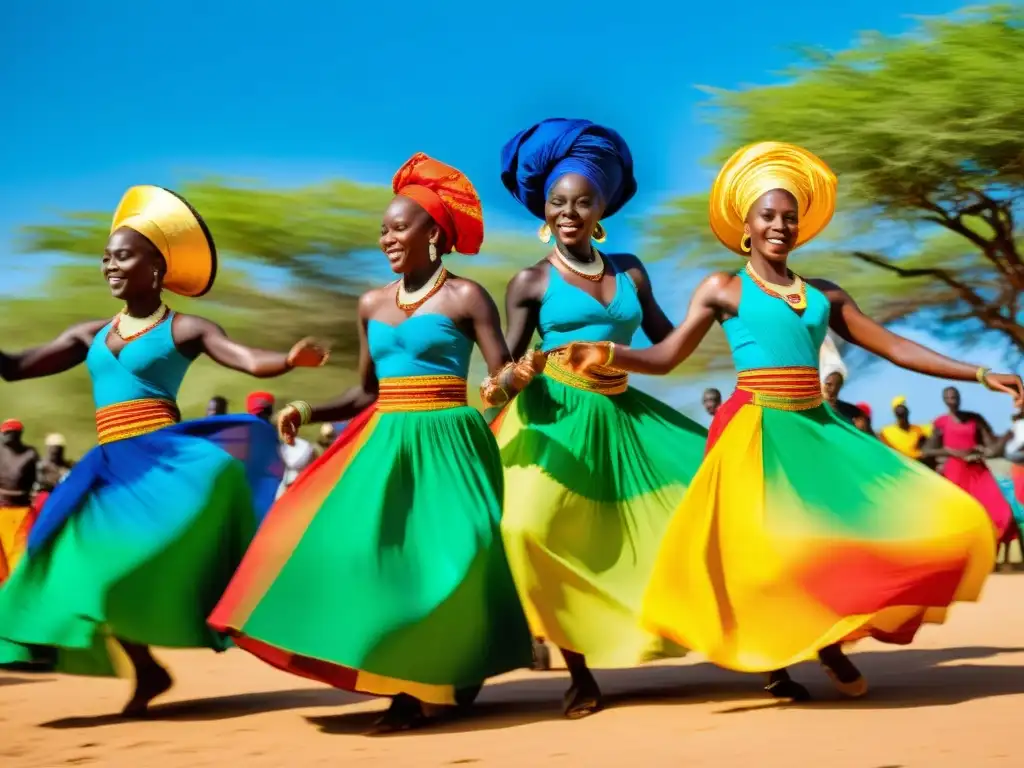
column 745, row 243
column 544, row 233
column 433, row 252
column 599, row 233
column 156, row 279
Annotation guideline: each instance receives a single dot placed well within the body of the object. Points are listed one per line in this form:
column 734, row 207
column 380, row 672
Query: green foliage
column 923, row 132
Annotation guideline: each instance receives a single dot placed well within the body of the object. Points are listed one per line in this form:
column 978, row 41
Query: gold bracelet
column 486, row 387
column 611, row 353
column 305, row 411
column 982, row 376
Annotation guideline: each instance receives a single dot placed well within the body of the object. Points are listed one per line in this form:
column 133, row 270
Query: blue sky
column 107, row 94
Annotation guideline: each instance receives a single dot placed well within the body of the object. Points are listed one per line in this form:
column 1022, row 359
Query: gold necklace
column 794, row 295
column 128, row 327
column 588, row 270
column 410, row 301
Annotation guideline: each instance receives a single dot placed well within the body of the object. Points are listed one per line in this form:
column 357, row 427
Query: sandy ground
column 950, row 700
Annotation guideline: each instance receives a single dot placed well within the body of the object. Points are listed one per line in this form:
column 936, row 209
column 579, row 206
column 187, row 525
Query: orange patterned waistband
column 604, row 381
column 421, row 393
column 134, row 418
column 784, row 389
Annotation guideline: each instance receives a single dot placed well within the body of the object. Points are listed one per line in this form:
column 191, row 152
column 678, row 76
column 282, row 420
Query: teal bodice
column 424, row 345
column 569, row 314
column 767, row 333
column 147, row 367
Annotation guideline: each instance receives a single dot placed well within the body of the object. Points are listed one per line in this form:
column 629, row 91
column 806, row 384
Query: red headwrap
column 12, row 425
column 448, row 196
column 865, row 409
column 257, row 402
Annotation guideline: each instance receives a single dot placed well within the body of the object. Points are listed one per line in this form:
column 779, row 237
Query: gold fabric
column 759, row 168
column 177, row 231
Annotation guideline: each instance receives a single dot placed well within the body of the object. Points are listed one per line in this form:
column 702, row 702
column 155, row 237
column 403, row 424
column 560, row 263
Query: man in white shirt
column 296, row 457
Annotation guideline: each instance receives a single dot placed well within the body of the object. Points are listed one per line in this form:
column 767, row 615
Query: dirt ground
column 949, row 700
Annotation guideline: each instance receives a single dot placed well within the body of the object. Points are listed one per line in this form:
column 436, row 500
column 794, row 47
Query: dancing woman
column 799, row 532
column 382, row 569
column 137, row 543
column 593, row 467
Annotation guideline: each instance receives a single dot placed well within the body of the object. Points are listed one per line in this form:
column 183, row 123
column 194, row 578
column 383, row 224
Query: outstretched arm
column 682, row 341
column 196, row 335
column 854, row 326
column 62, row 354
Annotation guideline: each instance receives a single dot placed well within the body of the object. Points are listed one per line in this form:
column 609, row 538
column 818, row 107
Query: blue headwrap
column 539, row 156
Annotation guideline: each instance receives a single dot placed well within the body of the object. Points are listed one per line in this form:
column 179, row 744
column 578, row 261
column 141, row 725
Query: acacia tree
column 924, row 133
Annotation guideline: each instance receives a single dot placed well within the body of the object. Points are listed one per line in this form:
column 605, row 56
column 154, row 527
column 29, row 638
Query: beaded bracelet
column 304, row 409
column 982, row 377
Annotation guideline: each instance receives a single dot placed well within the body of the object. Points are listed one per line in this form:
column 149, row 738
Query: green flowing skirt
column 591, row 481
column 382, row 569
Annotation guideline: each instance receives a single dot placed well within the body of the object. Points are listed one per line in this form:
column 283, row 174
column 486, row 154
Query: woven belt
column 134, row 418
column 421, row 393
column 783, row 389
column 600, row 379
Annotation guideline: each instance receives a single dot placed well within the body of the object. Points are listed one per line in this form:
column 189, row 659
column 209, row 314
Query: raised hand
column 308, row 353
column 288, row 422
column 1009, row 383
column 528, row 366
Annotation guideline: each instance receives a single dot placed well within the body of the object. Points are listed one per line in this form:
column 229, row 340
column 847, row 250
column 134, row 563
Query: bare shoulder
column 718, row 283
column 187, row 327
column 531, row 282
column 372, row 300
column 86, row 331
column 466, row 290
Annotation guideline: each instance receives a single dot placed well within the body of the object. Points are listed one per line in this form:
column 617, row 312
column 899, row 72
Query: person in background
column 50, row 471
column 833, row 377
column 297, row 456
column 862, row 419
column 712, row 401
column 218, row 406
column 328, row 434
column 17, row 478
column 1012, row 448
column 904, row 437
column 964, row 439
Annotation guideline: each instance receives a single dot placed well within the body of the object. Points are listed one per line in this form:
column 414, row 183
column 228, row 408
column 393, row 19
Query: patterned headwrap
column 448, row 196
column 760, row 168
column 12, row 425
column 176, row 230
column 538, row 157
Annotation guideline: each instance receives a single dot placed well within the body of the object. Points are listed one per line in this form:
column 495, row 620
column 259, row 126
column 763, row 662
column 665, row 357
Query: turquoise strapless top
column 424, row 345
column 569, row 314
column 767, row 333
column 147, row 367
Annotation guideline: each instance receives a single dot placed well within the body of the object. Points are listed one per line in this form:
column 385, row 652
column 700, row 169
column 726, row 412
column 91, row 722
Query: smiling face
column 132, row 265
column 572, row 211
column 406, row 233
column 773, row 225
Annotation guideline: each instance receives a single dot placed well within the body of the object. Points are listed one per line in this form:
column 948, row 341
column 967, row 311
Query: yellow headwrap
column 898, row 401
column 177, row 231
column 759, row 168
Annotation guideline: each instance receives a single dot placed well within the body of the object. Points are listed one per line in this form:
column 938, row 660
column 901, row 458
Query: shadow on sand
column 909, row 678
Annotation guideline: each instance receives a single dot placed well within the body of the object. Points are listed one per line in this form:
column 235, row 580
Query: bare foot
column 148, row 685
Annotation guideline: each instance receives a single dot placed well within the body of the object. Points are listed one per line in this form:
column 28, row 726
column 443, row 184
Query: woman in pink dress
column 963, row 439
